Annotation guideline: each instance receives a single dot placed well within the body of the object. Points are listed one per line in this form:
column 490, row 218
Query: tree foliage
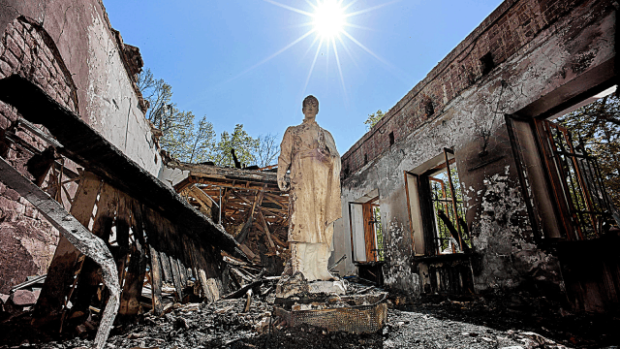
column 598, row 124
column 189, row 142
column 373, row 119
column 244, row 145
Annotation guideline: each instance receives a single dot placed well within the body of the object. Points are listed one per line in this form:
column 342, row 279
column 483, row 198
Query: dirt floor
column 224, row 325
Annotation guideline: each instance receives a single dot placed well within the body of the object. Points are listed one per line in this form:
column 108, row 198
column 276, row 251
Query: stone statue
column 310, row 153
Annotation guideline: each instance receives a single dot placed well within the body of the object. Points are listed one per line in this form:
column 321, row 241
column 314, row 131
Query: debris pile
column 248, row 320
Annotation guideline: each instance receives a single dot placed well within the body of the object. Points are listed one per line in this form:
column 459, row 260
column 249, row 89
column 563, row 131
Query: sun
column 329, row 22
column 329, row 18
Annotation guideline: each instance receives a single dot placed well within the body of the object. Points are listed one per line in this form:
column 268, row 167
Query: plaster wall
column 91, row 51
column 69, row 49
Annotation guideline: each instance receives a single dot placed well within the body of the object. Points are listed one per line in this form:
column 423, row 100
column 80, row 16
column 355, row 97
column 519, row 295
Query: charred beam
column 91, row 150
column 76, row 234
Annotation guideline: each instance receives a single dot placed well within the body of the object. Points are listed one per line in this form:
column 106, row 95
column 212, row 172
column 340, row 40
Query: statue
column 310, row 153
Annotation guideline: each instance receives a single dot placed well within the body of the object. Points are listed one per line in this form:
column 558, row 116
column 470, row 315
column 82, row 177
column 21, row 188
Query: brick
column 12, row 46
column 10, row 58
column 5, row 69
column 19, row 40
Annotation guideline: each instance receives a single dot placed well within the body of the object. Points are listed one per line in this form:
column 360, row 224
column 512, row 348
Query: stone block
column 23, row 298
column 4, row 298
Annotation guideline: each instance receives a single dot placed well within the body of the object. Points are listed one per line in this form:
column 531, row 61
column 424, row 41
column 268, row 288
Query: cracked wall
column 544, row 54
column 69, row 49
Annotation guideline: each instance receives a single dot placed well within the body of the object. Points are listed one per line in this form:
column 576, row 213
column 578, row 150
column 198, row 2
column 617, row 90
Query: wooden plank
column 90, row 277
column 122, row 233
column 246, row 228
column 82, row 144
column 201, row 273
column 182, row 272
column 165, row 264
column 192, row 261
column 62, row 268
column 158, row 307
column 230, row 185
column 272, row 246
column 176, row 278
column 153, row 233
column 134, row 278
column 77, row 234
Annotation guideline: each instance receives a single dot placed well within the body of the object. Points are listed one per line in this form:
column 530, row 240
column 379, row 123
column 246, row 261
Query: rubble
column 24, row 298
column 231, row 323
column 224, row 324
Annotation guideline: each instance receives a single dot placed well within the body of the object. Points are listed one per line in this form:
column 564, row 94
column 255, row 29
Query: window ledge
column 444, row 257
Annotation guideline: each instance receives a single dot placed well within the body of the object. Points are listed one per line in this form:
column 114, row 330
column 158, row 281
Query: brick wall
column 509, row 28
column 27, row 240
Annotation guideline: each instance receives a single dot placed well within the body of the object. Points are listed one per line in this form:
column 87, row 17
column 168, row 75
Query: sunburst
column 328, row 23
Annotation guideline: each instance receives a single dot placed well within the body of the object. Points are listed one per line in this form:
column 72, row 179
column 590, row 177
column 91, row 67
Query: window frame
column 369, row 234
column 422, row 214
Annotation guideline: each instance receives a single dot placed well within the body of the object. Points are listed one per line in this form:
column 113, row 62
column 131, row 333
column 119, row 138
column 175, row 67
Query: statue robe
column 310, row 152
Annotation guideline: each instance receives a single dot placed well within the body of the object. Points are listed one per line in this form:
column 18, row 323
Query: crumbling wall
column 527, row 57
column 27, row 239
column 69, row 50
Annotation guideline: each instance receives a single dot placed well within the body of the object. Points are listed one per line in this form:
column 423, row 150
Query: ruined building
column 479, row 192
column 466, row 189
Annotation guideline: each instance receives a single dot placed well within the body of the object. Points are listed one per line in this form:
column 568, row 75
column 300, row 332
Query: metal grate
column 358, row 319
column 584, row 202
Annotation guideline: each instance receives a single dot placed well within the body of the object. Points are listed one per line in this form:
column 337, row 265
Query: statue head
column 310, row 107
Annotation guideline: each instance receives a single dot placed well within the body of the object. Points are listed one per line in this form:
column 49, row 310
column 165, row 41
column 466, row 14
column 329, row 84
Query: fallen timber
column 88, row 148
column 247, row 202
column 153, row 224
column 71, row 229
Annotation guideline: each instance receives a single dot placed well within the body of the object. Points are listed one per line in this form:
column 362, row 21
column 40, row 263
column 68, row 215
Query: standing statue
column 310, row 153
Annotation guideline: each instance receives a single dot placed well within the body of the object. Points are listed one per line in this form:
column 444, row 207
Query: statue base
column 326, row 305
column 295, row 288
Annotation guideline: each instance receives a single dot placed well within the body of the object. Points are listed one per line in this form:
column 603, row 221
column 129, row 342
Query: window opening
column 584, row 206
column 487, row 63
column 569, row 168
column 374, row 233
column 367, row 242
column 391, row 138
column 450, row 234
column 429, row 108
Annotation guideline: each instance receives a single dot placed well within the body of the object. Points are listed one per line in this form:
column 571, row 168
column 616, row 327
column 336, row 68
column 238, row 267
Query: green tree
column 373, row 119
column 191, row 144
column 244, row 145
column 181, row 137
column 598, row 125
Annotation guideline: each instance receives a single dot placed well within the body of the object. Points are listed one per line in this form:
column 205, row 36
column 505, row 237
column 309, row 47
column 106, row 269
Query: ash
column 248, row 322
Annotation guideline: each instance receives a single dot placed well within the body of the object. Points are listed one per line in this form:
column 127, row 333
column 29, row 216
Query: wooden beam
column 85, row 146
column 76, row 234
column 158, row 307
column 64, row 263
column 272, row 246
column 136, row 270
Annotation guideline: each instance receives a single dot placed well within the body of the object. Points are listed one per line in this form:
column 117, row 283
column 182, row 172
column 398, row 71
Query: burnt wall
column 28, row 241
column 69, row 49
column 527, row 58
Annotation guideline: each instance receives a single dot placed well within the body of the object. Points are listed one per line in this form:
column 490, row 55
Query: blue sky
column 210, row 52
